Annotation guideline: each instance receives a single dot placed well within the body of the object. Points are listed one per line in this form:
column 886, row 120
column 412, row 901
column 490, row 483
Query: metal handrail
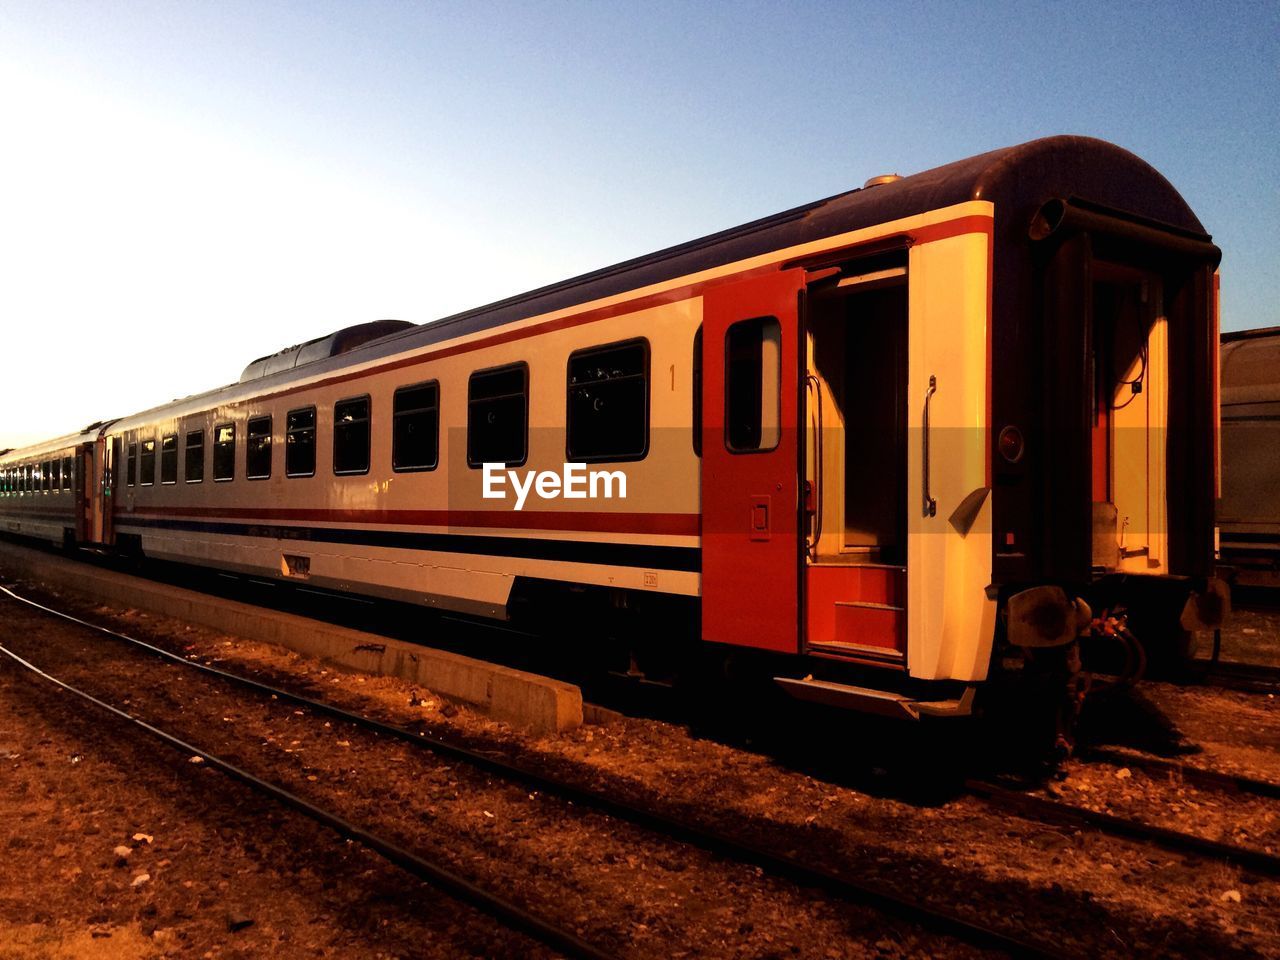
column 930, row 504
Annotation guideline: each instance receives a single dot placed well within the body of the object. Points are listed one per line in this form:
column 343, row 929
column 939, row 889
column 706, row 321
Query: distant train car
column 880, row 446
column 53, row 491
column 1249, row 508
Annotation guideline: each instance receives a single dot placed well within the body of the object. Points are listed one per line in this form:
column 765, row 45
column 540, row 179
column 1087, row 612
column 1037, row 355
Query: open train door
column 750, row 462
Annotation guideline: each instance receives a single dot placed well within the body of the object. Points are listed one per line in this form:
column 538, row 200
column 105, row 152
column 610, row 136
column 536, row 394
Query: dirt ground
column 1092, row 895
column 113, row 851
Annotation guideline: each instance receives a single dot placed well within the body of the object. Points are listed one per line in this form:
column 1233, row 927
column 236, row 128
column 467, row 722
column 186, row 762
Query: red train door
column 750, row 462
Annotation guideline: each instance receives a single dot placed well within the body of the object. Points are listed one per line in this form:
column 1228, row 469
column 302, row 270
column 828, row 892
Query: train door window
column 66, row 474
column 194, row 465
column 131, row 471
column 753, row 385
column 300, row 443
column 608, row 410
column 498, row 416
column 415, row 438
column 224, row 452
column 257, row 455
column 169, row 459
column 697, row 392
column 351, row 436
column 147, row 463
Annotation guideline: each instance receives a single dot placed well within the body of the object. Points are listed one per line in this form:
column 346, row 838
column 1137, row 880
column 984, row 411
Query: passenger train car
column 1249, row 509
column 881, row 445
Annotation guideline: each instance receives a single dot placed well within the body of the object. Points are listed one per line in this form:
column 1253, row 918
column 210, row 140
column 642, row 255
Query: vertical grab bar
column 930, row 504
column 811, row 381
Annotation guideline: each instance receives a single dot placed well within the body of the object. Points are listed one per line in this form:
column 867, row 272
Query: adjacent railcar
column 880, row 445
column 1249, row 508
column 52, row 491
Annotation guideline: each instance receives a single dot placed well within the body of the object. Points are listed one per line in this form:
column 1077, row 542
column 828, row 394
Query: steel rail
column 1198, row 776
column 1244, row 677
column 510, row 914
column 1047, row 810
column 712, row 840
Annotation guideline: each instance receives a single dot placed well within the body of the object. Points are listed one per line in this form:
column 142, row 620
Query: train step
column 879, row 702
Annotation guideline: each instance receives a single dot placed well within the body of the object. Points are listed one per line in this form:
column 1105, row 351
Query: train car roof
column 1018, row 179
column 37, row 450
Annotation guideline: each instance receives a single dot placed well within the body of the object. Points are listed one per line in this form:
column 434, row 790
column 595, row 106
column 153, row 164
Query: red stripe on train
column 664, row 524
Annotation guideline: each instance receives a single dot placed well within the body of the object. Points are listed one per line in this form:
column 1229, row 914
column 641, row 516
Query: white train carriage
column 851, row 436
column 52, row 491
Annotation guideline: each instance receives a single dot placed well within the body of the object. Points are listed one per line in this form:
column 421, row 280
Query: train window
column 351, row 436
column 697, row 392
column 169, row 458
column 415, row 429
column 753, row 385
column 608, row 410
column 147, row 463
column 131, row 471
column 66, row 474
column 224, row 452
column 300, row 443
column 498, row 416
column 194, row 465
column 55, row 475
column 257, row 455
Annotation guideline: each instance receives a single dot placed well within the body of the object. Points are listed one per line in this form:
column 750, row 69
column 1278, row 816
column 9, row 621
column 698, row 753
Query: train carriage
column 1249, row 509
column 880, row 442
column 52, row 491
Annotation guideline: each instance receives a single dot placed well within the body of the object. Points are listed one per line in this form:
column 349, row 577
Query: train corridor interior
column 856, row 461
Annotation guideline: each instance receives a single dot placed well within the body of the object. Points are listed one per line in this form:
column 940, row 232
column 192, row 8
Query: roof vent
column 883, row 178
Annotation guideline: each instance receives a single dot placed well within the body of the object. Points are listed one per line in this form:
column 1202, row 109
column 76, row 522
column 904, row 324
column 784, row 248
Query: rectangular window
column 169, row 458
column 498, row 416
column 195, row 457
column 131, row 472
column 697, row 393
column 753, row 385
column 415, row 431
column 66, row 474
column 147, row 463
column 257, row 455
column 300, row 443
column 53, row 476
column 608, row 410
column 351, row 436
column 224, row 452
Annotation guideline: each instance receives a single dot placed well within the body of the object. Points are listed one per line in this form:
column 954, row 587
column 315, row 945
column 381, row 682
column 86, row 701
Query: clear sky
column 187, row 186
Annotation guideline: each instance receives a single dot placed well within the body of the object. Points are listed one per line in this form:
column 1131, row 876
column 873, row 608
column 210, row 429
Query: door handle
column 930, row 504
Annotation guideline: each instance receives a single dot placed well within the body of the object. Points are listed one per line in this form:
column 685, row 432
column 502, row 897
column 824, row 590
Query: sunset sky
column 187, row 186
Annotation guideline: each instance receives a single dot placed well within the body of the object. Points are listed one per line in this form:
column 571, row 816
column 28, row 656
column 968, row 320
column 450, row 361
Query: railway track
column 1245, row 677
column 935, row 919
column 1055, row 811
column 1197, row 776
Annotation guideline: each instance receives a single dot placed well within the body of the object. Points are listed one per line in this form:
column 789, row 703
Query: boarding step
column 872, row 582
column 879, row 702
column 865, row 653
column 870, row 624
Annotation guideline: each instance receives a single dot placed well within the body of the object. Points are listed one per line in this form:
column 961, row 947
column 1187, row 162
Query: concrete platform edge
column 536, row 703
